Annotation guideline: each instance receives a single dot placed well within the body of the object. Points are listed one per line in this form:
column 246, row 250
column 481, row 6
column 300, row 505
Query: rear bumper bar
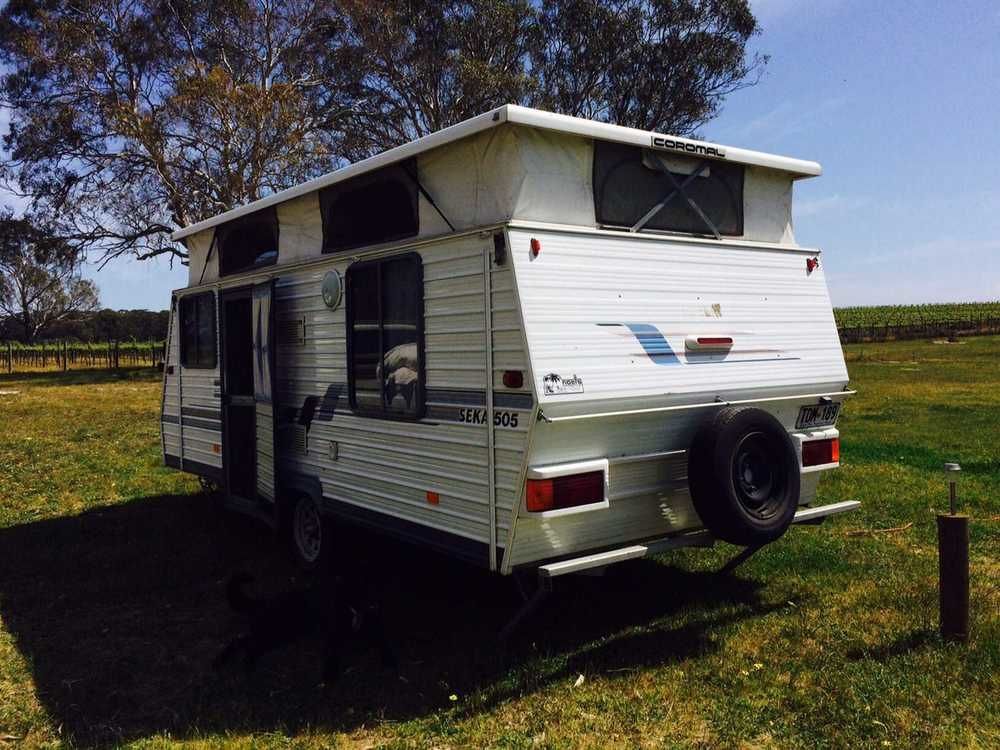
column 694, row 539
column 812, row 515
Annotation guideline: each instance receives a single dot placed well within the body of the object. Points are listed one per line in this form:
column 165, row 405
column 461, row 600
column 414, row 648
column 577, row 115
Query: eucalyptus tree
column 131, row 118
column 40, row 282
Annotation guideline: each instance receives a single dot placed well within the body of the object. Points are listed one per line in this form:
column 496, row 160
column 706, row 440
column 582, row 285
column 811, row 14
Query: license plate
column 820, row 415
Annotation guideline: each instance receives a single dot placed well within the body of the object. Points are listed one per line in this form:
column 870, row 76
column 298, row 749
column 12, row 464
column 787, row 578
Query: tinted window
column 385, row 345
column 366, row 331
column 370, row 209
column 197, row 329
column 629, row 181
column 248, row 242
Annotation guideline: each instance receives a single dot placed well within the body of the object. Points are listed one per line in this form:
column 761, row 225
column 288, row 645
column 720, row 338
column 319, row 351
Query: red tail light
column 564, row 492
column 513, row 379
column 818, row 452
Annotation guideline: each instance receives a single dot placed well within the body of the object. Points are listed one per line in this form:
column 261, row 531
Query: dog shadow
column 120, row 612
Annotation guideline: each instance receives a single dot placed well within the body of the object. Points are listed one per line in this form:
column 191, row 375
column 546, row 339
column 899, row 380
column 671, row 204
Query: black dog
column 327, row 609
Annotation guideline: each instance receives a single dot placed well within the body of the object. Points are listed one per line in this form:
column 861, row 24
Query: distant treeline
column 902, row 322
column 912, row 315
column 67, row 355
column 100, row 326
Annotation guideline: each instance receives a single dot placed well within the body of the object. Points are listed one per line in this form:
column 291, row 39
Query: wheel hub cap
column 755, row 476
column 308, row 529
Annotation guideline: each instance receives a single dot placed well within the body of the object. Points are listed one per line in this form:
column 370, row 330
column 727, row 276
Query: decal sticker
column 478, row 416
column 651, row 340
column 554, row 384
column 656, row 347
column 658, row 141
column 443, row 405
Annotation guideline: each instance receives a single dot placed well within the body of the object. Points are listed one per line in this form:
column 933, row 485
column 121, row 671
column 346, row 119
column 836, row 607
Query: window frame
column 185, row 350
column 268, row 216
column 602, row 219
column 403, row 172
column 382, row 412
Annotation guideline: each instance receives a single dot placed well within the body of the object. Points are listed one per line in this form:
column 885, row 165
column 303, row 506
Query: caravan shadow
column 121, row 610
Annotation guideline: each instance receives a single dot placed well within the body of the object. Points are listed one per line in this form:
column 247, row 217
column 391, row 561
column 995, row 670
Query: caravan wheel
column 743, row 473
column 307, row 531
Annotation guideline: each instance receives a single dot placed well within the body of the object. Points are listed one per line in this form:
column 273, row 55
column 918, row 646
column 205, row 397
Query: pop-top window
column 385, row 301
column 197, row 329
column 248, row 242
column 370, row 209
column 643, row 189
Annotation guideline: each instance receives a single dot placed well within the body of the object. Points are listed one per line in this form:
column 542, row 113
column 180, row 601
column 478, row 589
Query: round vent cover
column 333, row 289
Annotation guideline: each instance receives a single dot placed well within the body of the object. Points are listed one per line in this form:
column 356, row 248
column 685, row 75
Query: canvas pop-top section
column 508, row 172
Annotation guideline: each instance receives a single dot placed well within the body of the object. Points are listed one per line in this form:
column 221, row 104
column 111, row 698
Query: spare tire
column 743, row 473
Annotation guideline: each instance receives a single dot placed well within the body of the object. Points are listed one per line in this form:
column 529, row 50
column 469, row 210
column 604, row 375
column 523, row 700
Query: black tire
column 307, row 532
column 743, row 473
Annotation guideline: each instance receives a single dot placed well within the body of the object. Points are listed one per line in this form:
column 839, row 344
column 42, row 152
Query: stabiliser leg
column 741, row 558
column 803, row 516
column 531, row 603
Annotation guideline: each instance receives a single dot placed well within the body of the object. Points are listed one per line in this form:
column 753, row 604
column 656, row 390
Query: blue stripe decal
column 653, row 343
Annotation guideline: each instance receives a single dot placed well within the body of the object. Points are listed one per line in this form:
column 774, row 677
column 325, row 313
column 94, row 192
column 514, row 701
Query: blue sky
column 900, row 102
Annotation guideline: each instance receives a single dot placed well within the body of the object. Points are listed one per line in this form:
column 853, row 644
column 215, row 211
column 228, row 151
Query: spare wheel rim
column 757, row 475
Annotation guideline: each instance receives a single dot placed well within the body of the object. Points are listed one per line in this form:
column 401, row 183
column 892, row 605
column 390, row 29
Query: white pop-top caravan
column 527, row 340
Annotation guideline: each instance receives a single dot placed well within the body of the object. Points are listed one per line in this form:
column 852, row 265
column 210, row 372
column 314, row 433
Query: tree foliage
column 134, row 117
column 663, row 65
column 428, row 64
column 98, row 326
column 40, row 282
column 131, row 118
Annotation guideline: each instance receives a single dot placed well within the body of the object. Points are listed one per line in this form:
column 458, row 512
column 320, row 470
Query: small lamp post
column 953, row 565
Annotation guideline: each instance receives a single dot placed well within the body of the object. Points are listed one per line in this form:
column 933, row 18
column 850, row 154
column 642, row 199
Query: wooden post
column 953, row 571
column 953, row 564
column 10, row 357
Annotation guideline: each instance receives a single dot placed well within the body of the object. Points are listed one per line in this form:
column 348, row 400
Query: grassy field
column 111, row 601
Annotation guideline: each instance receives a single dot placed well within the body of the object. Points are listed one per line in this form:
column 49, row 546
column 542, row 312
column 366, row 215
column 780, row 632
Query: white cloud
column 943, row 269
column 787, row 118
column 771, row 10
column 836, row 203
column 943, row 251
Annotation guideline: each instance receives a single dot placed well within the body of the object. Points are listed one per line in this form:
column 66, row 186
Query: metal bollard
column 953, row 567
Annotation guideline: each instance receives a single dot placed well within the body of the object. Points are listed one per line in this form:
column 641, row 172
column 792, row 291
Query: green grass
column 112, row 571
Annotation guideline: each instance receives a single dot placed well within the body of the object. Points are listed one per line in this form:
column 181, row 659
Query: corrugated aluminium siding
column 170, row 407
column 191, row 420
column 583, row 299
column 386, row 465
column 583, row 291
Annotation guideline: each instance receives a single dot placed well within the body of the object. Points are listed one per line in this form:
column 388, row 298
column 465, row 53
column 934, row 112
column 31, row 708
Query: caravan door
column 263, row 387
column 247, row 398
